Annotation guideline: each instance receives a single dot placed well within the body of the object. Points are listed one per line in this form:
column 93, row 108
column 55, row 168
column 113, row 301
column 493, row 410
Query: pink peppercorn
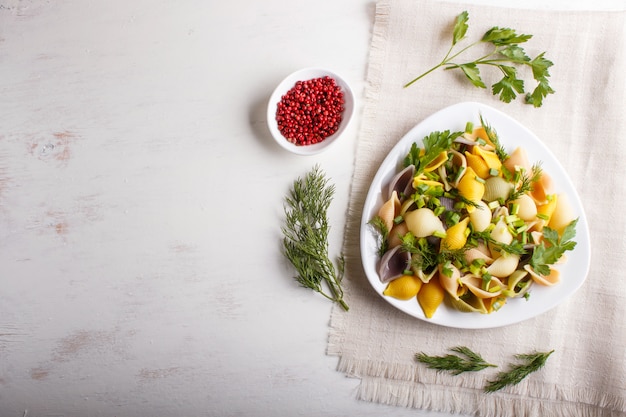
column 310, row 111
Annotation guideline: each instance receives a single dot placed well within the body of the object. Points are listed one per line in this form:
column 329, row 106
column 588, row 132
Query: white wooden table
column 141, row 202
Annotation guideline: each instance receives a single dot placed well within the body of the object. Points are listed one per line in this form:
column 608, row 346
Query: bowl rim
column 285, row 85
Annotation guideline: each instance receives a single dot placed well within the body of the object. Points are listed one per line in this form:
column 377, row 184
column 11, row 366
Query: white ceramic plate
column 511, row 134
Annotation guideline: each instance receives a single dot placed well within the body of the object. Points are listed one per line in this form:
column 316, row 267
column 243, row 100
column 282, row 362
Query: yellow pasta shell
column 471, row 188
column 547, row 210
column 478, row 164
column 456, row 236
column 430, row 297
column 490, row 157
column 562, row 215
column 437, row 162
column 403, row 288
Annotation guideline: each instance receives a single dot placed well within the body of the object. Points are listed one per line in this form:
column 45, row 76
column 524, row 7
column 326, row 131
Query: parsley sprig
column 506, row 55
column 545, row 255
column 435, row 143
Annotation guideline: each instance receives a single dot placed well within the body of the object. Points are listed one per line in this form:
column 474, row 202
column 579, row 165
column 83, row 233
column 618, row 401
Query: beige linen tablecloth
column 584, row 125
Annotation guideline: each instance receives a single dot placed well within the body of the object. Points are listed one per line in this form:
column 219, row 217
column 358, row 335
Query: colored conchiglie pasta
column 477, row 163
column 449, row 279
column 542, row 188
column 471, row 187
column 497, row 188
column 403, row 288
column 476, row 285
column 430, row 297
column 423, row 222
column 456, row 236
column 562, row 215
column 504, row 266
column 469, row 304
column 389, row 210
column 437, row 162
column 402, row 182
column 394, row 238
column 548, row 280
column 480, row 218
column 527, row 209
column 499, row 234
column 545, row 211
column 517, row 160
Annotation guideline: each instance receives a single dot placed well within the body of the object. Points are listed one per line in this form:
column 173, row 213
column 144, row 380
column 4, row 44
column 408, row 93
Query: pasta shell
column 402, row 182
column 542, row 188
column 479, row 252
column 490, row 157
column 460, row 163
column 450, row 283
column 456, row 235
column 519, row 283
column 389, row 210
column 403, row 288
column 475, row 285
column 396, row 233
column 552, row 279
column 501, row 234
column 393, row 264
column 437, row 162
column 481, row 217
column 518, row 159
column 425, row 277
column 471, row 188
column 470, row 304
column 504, row 266
column 422, row 179
column 527, row 207
column 430, row 297
column 547, row 210
column 562, row 215
column 423, row 222
column 497, row 188
column 477, row 163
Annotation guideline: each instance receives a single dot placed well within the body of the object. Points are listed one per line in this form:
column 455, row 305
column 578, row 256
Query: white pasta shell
column 500, row 234
column 497, row 188
column 504, row 266
column 481, row 217
column 527, row 207
column 423, row 222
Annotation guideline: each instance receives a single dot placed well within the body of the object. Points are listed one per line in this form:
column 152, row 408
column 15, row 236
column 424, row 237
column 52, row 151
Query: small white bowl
column 286, row 85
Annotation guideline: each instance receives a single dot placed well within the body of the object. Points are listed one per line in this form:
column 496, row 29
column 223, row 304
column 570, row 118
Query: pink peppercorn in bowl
column 309, row 110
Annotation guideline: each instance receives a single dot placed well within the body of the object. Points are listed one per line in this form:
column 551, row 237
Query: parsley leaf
column 546, row 255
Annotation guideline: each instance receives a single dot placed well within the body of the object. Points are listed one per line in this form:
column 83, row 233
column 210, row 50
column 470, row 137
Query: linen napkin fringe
column 406, row 377
column 475, row 402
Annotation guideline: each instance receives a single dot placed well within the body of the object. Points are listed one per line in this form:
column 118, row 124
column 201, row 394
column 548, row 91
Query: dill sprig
column 306, row 231
column 495, row 139
column 379, row 224
column 517, row 372
column 455, row 364
column 526, row 182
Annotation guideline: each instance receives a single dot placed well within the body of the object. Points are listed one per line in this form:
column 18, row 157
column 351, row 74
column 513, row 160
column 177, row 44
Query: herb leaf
column 506, row 50
column 517, row 372
column 434, row 144
column 470, row 361
column 306, row 230
column 460, row 27
column 544, row 256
